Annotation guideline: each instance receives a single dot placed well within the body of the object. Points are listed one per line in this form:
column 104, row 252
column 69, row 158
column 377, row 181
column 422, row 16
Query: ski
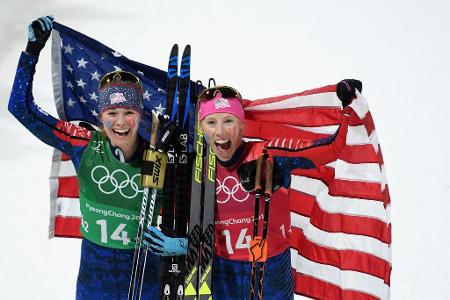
column 183, row 167
column 201, row 222
column 169, row 191
column 176, row 192
column 207, row 244
column 195, row 226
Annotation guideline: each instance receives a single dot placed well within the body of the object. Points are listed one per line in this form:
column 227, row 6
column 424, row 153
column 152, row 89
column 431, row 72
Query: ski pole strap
column 258, row 249
column 198, row 89
column 210, row 82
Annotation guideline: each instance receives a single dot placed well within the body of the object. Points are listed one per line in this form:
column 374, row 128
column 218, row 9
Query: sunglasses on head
column 226, row 91
column 119, row 77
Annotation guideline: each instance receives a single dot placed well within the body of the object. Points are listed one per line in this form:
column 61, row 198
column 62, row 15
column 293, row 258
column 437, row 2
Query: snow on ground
column 399, row 49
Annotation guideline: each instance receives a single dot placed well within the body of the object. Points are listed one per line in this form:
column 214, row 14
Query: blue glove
column 38, row 33
column 163, row 245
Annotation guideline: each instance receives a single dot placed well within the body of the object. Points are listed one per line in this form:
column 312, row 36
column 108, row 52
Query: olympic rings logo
column 109, row 183
column 224, row 193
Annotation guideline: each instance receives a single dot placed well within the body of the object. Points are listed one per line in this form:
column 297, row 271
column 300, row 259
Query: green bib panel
column 110, row 196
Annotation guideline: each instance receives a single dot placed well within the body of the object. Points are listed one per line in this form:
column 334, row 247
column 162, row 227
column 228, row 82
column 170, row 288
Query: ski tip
column 174, row 50
column 187, row 50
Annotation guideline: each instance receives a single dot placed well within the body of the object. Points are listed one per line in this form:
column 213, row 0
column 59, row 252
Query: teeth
column 222, row 141
column 121, row 131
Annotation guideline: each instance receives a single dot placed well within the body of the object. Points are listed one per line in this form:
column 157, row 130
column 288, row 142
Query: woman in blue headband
column 108, row 166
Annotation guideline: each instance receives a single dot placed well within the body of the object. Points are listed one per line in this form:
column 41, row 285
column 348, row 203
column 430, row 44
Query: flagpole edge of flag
column 56, row 61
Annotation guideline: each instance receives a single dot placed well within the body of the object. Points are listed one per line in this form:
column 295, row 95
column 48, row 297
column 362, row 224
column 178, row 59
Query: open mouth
column 121, row 132
column 223, row 144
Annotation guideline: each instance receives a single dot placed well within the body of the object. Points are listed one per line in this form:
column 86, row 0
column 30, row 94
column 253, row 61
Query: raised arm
column 306, row 154
column 62, row 135
column 312, row 154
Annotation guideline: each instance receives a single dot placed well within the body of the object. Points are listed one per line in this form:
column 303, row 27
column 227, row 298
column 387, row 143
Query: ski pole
column 255, row 253
column 152, row 176
column 268, row 180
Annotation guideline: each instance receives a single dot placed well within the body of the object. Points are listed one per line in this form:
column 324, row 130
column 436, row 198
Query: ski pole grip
column 155, row 128
column 153, row 169
column 259, row 162
column 154, row 162
column 268, row 176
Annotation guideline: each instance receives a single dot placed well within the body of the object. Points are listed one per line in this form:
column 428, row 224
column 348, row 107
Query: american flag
column 78, row 63
column 340, row 213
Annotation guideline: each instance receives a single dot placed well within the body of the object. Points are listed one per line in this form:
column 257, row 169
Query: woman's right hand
column 162, row 245
column 346, row 90
column 38, row 33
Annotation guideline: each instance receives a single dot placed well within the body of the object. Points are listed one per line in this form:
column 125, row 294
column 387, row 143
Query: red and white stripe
column 65, row 217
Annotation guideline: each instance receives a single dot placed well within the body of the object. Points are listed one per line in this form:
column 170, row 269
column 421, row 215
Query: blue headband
column 120, row 95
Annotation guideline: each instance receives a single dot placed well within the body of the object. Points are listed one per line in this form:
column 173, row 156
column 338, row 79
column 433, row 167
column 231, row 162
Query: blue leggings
column 231, row 279
column 105, row 273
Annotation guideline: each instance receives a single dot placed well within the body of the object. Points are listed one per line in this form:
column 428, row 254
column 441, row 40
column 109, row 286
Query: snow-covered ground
column 399, row 49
